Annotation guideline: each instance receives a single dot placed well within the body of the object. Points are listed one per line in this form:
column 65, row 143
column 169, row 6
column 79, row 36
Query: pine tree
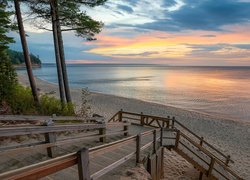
column 67, row 14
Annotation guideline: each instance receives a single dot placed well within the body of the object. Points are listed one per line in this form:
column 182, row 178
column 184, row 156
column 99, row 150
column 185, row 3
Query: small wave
column 115, row 80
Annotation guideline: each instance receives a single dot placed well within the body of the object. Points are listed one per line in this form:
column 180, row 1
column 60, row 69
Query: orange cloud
column 167, row 45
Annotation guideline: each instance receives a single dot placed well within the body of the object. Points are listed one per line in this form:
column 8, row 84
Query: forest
column 17, row 58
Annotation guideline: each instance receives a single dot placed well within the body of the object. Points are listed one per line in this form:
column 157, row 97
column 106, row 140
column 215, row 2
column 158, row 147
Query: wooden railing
column 50, row 131
column 82, row 158
column 181, row 131
column 201, row 158
column 168, row 122
column 28, row 119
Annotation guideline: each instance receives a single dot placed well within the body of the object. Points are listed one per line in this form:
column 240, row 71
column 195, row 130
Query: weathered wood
column 83, row 164
column 152, row 166
column 162, row 162
column 161, row 137
column 47, row 129
column 125, row 129
column 177, row 139
column 159, row 163
column 112, row 166
column 51, row 138
column 227, row 160
column 154, row 141
column 142, row 119
column 102, row 131
column 120, row 115
column 173, row 121
column 41, row 169
column 211, row 166
column 200, row 176
column 138, row 148
column 190, row 160
column 201, row 141
column 33, row 146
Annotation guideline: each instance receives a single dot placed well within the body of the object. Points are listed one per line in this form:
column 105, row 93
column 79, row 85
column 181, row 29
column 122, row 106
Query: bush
column 51, row 105
column 8, row 78
column 22, row 101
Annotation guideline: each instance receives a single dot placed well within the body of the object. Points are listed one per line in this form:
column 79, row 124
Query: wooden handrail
column 51, row 166
column 182, row 126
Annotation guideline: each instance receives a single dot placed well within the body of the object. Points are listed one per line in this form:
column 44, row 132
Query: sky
column 172, row 32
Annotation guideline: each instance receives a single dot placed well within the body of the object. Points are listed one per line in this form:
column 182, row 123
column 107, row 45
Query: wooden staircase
column 201, row 154
column 97, row 161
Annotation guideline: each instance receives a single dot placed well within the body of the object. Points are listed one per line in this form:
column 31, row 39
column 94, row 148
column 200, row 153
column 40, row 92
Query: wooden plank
column 51, row 138
column 102, row 131
column 190, row 160
column 47, row 129
column 211, row 166
column 154, row 141
column 33, row 146
column 138, row 148
column 152, row 166
column 158, row 164
column 83, row 164
column 31, row 118
column 111, row 166
column 125, row 129
column 42, row 169
column 194, row 153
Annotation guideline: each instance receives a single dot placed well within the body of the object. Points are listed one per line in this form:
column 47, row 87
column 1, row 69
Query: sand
column 230, row 136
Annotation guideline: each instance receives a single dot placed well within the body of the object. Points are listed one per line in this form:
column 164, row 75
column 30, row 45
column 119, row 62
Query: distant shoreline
column 23, row 66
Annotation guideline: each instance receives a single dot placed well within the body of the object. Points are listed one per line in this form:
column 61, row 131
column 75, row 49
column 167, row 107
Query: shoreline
column 230, row 136
column 215, row 116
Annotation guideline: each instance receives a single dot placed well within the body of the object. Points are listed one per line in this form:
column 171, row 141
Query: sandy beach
column 230, row 136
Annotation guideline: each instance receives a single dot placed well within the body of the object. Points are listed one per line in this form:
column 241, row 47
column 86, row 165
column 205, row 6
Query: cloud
column 208, row 35
column 125, row 8
column 137, row 54
column 210, row 15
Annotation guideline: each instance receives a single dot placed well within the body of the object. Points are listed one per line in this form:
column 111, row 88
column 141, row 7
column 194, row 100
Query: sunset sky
column 173, row 32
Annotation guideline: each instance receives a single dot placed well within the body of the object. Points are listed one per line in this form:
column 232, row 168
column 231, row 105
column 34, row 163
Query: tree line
column 61, row 16
column 17, row 58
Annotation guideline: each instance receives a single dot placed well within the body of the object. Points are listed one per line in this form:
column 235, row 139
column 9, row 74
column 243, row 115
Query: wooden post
column 228, row 160
column 211, row 166
column 142, row 119
column 120, row 115
column 201, row 142
column 173, row 122
column 162, row 124
column 162, row 162
column 168, row 121
column 50, row 138
column 125, row 128
column 161, row 140
column 177, row 139
column 138, row 148
column 83, row 164
column 154, row 141
column 102, row 131
column 200, row 176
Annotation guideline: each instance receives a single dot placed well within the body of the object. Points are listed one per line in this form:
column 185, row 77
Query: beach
column 230, row 136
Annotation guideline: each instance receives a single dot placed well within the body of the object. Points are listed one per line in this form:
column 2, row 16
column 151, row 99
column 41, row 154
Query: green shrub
column 51, row 105
column 8, row 78
column 22, row 102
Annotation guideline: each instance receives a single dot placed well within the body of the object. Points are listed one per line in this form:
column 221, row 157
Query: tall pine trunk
column 53, row 4
column 26, row 52
column 62, row 57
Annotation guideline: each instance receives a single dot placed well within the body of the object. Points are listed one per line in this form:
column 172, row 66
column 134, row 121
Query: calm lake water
column 223, row 91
